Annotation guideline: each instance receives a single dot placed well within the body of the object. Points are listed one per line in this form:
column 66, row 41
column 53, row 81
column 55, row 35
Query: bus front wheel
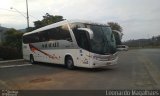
column 69, row 63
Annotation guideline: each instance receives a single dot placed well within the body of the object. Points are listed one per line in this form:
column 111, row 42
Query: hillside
column 152, row 42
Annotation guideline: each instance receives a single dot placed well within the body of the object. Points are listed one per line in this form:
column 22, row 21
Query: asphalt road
column 137, row 69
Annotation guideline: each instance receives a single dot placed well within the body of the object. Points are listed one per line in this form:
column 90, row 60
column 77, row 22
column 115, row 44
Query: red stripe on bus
column 33, row 49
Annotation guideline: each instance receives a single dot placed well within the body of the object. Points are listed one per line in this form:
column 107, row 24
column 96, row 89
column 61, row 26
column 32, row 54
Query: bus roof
column 62, row 23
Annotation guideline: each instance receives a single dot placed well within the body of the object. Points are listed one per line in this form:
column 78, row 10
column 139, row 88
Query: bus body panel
column 57, row 50
column 57, row 56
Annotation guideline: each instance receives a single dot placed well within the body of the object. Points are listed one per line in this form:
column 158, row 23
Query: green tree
column 29, row 29
column 117, row 38
column 13, row 38
column 48, row 19
column 115, row 26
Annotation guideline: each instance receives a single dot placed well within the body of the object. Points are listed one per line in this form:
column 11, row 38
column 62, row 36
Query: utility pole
column 27, row 14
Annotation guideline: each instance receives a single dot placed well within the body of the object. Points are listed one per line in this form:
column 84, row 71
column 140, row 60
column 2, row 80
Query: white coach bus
column 72, row 43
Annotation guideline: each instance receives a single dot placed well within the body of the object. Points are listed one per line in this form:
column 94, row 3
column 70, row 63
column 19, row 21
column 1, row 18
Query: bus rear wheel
column 69, row 63
column 32, row 59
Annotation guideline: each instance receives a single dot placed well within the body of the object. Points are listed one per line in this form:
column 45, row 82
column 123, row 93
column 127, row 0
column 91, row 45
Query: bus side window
column 36, row 38
column 63, row 33
column 81, row 38
column 31, row 38
column 59, row 33
column 43, row 36
column 52, row 34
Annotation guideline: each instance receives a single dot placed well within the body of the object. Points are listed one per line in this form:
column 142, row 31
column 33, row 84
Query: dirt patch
column 39, row 80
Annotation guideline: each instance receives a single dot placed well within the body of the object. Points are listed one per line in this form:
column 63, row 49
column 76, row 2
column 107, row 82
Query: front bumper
column 97, row 63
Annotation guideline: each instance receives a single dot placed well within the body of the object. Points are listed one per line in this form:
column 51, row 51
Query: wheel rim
column 32, row 60
column 69, row 63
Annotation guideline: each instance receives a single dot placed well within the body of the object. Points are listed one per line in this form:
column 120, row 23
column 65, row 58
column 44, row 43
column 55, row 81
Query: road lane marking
column 10, row 66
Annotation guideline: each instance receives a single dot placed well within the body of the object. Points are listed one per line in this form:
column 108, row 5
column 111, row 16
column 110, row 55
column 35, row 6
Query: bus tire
column 32, row 59
column 69, row 63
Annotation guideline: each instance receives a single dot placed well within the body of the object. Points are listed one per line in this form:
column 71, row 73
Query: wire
column 22, row 13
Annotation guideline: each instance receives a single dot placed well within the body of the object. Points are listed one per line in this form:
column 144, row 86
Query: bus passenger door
column 83, row 43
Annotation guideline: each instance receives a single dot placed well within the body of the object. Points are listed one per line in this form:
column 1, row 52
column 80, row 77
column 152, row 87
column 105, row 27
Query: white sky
column 139, row 18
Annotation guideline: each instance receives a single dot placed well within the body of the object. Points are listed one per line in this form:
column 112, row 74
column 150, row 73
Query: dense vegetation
column 142, row 43
column 11, row 46
column 47, row 19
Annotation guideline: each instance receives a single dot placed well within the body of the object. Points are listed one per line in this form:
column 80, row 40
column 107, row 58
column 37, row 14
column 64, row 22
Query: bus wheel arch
column 69, row 63
column 31, row 59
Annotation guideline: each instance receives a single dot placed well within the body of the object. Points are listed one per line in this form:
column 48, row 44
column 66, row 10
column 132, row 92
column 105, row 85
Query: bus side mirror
column 87, row 30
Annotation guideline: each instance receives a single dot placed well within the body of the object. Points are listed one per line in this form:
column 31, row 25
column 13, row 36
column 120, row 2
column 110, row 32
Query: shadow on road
column 76, row 68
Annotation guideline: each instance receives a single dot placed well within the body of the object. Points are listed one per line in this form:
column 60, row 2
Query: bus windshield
column 103, row 41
